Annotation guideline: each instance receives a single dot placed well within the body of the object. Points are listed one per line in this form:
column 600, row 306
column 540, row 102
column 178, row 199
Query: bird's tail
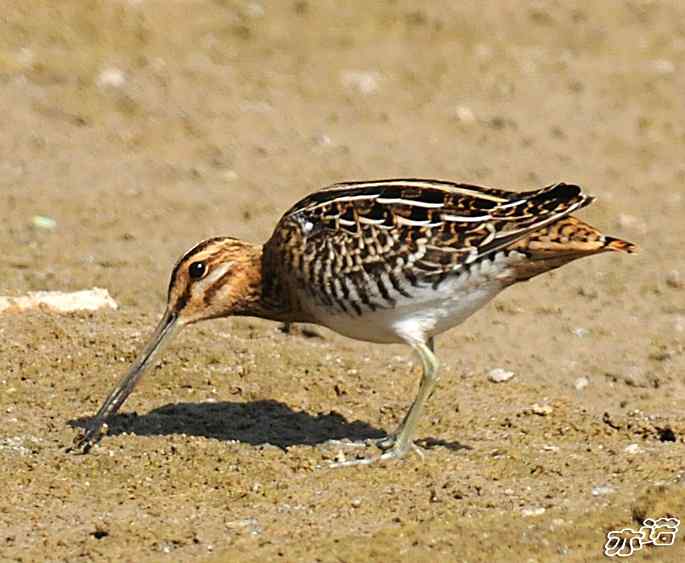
column 561, row 242
column 620, row 245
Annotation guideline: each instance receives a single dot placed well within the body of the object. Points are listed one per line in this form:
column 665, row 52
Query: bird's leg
column 404, row 437
column 403, row 440
column 431, row 347
column 388, row 441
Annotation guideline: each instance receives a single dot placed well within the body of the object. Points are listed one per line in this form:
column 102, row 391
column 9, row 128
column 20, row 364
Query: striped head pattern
column 217, row 277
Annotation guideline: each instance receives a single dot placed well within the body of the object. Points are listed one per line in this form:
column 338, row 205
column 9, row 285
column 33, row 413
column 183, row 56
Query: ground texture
column 142, row 127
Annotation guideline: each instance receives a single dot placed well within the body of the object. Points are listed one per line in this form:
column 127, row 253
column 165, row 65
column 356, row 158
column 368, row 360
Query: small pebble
column 25, row 56
column 581, row 383
column 675, row 280
column 663, row 66
column 499, row 375
column 254, row 10
column 111, row 78
column 250, row 524
column 323, row 140
column 542, row 410
column 535, row 511
column 255, row 106
column 465, row 115
column 632, row 449
column 601, row 490
column 356, row 503
column 581, row 332
column 43, row 222
column 365, row 82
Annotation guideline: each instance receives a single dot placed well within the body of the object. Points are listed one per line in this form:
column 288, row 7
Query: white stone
column 25, row 57
column 111, row 77
column 43, row 222
column 465, row 114
column 664, row 66
column 60, row 302
column 230, row 175
column 534, row 511
column 632, row 449
column 499, row 375
column 581, row 383
column 255, row 106
column 365, row 82
column 602, row 490
column 254, row 10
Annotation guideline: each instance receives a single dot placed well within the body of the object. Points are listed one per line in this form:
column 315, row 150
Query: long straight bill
column 163, row 334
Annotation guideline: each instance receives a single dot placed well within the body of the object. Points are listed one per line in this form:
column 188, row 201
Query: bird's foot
column 395, row 450
column 383, row 443
column 347, row 443
column 386, row 442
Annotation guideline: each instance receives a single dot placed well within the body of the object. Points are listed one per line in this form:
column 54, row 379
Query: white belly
column 427, row 312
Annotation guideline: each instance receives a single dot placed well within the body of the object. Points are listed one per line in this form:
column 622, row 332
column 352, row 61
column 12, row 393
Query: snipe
column 383, row 261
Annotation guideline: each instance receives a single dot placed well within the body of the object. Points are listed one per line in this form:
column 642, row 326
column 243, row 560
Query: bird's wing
column 395, row 234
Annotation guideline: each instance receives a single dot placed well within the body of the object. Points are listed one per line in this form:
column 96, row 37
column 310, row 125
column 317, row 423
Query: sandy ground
column 142, row 127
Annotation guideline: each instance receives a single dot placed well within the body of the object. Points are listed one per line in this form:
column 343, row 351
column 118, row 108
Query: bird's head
column 216, row 278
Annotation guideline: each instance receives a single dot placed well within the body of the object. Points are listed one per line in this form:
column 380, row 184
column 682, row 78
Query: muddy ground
column 141, row 127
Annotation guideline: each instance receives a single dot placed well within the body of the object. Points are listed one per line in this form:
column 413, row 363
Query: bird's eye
column 197, row 270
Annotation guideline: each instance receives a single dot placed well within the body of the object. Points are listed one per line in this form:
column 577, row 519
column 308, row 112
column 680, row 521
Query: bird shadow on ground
column 256, row 423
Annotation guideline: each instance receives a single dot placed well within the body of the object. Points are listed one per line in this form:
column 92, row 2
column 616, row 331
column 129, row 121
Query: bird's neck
column 265, row 295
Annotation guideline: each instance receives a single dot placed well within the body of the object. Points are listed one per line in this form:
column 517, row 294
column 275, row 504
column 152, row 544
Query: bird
column 384, row 261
